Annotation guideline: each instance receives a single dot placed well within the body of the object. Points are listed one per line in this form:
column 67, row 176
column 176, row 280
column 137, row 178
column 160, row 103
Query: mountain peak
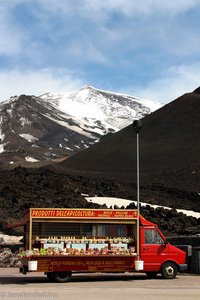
column 55, row 125
column 88, row 87
column 112, row 110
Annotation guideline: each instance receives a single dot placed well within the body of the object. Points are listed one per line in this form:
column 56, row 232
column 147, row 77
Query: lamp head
column 137, row 125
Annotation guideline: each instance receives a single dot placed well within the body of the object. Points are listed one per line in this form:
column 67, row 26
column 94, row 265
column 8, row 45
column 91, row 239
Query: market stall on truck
column 66, row 240
column 59, row 242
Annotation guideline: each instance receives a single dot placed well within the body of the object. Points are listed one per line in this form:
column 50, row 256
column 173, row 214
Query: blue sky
column 147, row 48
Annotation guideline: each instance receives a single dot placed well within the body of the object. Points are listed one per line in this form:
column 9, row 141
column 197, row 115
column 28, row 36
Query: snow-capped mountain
column 59, row 125
column 114, row 111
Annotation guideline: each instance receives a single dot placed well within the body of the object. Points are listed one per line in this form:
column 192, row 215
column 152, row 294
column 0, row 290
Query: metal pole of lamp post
column 137, row 125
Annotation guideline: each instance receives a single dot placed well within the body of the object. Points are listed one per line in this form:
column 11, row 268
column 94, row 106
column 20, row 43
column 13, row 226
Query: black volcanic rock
column 23, row 188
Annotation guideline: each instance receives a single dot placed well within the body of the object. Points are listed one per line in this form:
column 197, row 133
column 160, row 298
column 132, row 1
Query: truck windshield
column 152, row 236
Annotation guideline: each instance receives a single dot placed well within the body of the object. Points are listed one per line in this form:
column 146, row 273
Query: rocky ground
column 23, row 188
column 9, row 258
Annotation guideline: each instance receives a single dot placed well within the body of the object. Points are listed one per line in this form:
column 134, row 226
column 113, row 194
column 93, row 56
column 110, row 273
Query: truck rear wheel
column 50, row 276
column 169, row 270
column 62, row 276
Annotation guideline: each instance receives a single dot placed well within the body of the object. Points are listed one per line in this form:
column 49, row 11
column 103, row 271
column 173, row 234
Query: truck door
column 153, row 249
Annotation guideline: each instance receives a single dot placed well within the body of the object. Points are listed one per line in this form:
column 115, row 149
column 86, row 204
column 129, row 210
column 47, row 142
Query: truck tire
column 169, row 270
column 151, row 275
column 62, row 276
column 51, row 276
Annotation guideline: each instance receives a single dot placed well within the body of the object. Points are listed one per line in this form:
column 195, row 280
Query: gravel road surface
column 14, row 285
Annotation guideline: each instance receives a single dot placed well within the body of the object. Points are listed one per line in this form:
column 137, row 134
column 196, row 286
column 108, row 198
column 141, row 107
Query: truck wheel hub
column 169, row 270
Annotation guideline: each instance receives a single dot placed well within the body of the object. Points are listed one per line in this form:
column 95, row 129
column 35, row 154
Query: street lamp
column 137, row 125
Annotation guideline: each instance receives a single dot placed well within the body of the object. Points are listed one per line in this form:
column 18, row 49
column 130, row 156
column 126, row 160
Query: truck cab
column 158, row 255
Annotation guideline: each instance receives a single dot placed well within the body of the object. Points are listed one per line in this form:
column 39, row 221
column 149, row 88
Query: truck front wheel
column 169, row 270
column 62, row 276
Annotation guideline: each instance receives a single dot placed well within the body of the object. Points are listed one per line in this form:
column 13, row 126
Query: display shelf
column 82, row 240
column 82, row 245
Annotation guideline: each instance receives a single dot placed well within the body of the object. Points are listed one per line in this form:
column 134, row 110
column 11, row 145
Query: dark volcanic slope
column 169, row 149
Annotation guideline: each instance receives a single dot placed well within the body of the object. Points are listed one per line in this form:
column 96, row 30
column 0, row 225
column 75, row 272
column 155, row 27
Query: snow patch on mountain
column 111, row 202
column 2, row 148
column 30, row 159
column 80, row 110
column 76, row 127
column 24, row 121
column 10, row 239
column 113, row 110
column 28, row 137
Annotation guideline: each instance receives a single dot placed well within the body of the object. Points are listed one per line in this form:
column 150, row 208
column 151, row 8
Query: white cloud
column 171, row 84
column 85, row 51
column 86, row 31
column 36, row 82
column 100, row 8
column 150, row 7
column 11, row 38
column 125, row 35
